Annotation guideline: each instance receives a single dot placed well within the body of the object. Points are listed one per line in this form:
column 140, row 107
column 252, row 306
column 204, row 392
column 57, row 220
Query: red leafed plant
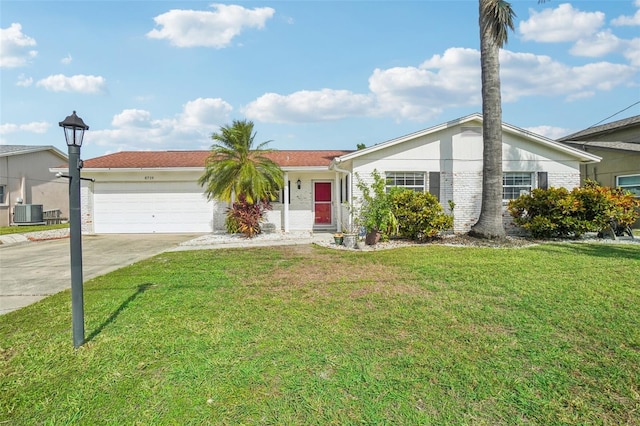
column 244, row 217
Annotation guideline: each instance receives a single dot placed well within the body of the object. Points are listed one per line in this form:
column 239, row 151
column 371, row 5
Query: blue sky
column 164, row 75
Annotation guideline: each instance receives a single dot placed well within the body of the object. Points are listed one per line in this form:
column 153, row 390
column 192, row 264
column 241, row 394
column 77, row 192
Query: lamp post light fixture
column 74, row 129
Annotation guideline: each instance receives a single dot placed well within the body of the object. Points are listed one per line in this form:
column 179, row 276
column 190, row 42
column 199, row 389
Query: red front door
column 322, row 202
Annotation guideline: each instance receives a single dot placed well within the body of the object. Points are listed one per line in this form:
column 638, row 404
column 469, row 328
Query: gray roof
column 602, row 129
column 7, row 150
column 619, row 146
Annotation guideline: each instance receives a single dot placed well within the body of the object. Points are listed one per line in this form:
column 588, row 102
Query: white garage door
column 147, row 207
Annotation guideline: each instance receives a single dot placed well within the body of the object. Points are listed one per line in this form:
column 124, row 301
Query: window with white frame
column 2, row 192
column 629, row 183
column 515, row 184
column 410, row 180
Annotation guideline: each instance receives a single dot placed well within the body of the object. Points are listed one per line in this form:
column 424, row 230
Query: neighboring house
column 25, row 179
column 618, row 143
column 142, row 192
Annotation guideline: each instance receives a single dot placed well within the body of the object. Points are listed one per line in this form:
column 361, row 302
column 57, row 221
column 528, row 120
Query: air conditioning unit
column 27, row 214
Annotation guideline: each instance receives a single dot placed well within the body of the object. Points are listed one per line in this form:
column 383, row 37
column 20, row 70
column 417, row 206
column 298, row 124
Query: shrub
column 244, row 217
column 419, row 214
column 375, row 212
column 544, row 212
column 556, row 212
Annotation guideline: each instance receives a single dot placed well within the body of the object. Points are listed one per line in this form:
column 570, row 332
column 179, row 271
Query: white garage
column 148, row 207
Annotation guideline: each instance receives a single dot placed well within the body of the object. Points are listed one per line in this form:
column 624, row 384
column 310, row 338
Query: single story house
column 618, row 144
column 144, row 192
column 26, row 180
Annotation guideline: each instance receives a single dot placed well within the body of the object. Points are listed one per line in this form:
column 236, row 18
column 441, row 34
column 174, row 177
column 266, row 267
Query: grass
column 548, row 335
column 5, row 230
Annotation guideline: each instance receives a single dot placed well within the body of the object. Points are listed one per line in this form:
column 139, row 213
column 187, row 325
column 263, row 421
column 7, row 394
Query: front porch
column 312, row 200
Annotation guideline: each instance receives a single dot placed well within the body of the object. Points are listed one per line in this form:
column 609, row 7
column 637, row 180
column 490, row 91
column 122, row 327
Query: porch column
column 285, row 202
column 337, row 203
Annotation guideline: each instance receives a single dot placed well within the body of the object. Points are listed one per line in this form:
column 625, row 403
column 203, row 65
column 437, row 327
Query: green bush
column 558, row 213
column 419, row 214
column 375, row 212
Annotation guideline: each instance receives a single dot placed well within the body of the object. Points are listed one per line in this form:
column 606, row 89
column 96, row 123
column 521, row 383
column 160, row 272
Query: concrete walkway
column 31, row 271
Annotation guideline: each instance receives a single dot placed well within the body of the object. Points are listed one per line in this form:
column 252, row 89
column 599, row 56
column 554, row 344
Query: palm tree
column 236, row 168
column 496, row 19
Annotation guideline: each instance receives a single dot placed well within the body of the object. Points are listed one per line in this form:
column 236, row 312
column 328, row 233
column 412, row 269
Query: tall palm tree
column 236, row 168
column 496, row 19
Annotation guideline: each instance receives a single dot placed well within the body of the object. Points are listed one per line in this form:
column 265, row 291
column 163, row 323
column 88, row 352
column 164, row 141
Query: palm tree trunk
column 490, row 224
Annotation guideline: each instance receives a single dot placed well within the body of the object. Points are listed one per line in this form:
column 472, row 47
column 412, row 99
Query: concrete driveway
column 34, row 270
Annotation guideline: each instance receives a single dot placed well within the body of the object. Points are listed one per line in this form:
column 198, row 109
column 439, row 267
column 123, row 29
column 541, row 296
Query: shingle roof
column 175, row 159
column 7, row 150
column 620, row 146
column 590, row 132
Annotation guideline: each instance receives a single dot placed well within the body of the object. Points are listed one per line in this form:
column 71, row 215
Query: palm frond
column 496, row 18
column 235, row 166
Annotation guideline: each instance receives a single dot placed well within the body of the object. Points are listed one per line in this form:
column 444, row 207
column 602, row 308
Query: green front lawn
column 5, row 230
column 549, row 334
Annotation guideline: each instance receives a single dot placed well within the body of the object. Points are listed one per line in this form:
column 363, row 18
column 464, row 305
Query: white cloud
column 15, row 47
column 205, row 112
column 633, row 20
column 525, row 74
column 308, row 106
column 421, row 93
column 39, row 127
column 563, row 23
column 191, row 28
column 597, row 45
column 632, row 52
column 443, row 81
column 581, row 95
column 67, row 59
column 132, row 118
column 136, row 129
column 627, row 20
column 549, row 131
column 24, row 81
column 89, row 84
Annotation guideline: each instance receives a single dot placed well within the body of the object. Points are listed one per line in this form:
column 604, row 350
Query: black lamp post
column 74, row 129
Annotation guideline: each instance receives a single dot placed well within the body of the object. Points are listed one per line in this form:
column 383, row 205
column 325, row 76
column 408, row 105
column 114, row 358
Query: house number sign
column 148, row 178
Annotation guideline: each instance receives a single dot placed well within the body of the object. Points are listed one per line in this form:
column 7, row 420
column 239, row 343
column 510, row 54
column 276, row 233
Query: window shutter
column 543, row 180
column 346, row 188
column 434, row 184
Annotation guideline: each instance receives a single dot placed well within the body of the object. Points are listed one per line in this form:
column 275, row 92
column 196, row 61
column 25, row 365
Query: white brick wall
column 467, row 190
column 86, row 206
column 567, row 180
column 220, row 215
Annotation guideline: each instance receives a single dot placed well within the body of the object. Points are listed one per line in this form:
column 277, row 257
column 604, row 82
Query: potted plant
column 350, row 240
column 338, row 238
column 376, row 213
column 351, row 229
